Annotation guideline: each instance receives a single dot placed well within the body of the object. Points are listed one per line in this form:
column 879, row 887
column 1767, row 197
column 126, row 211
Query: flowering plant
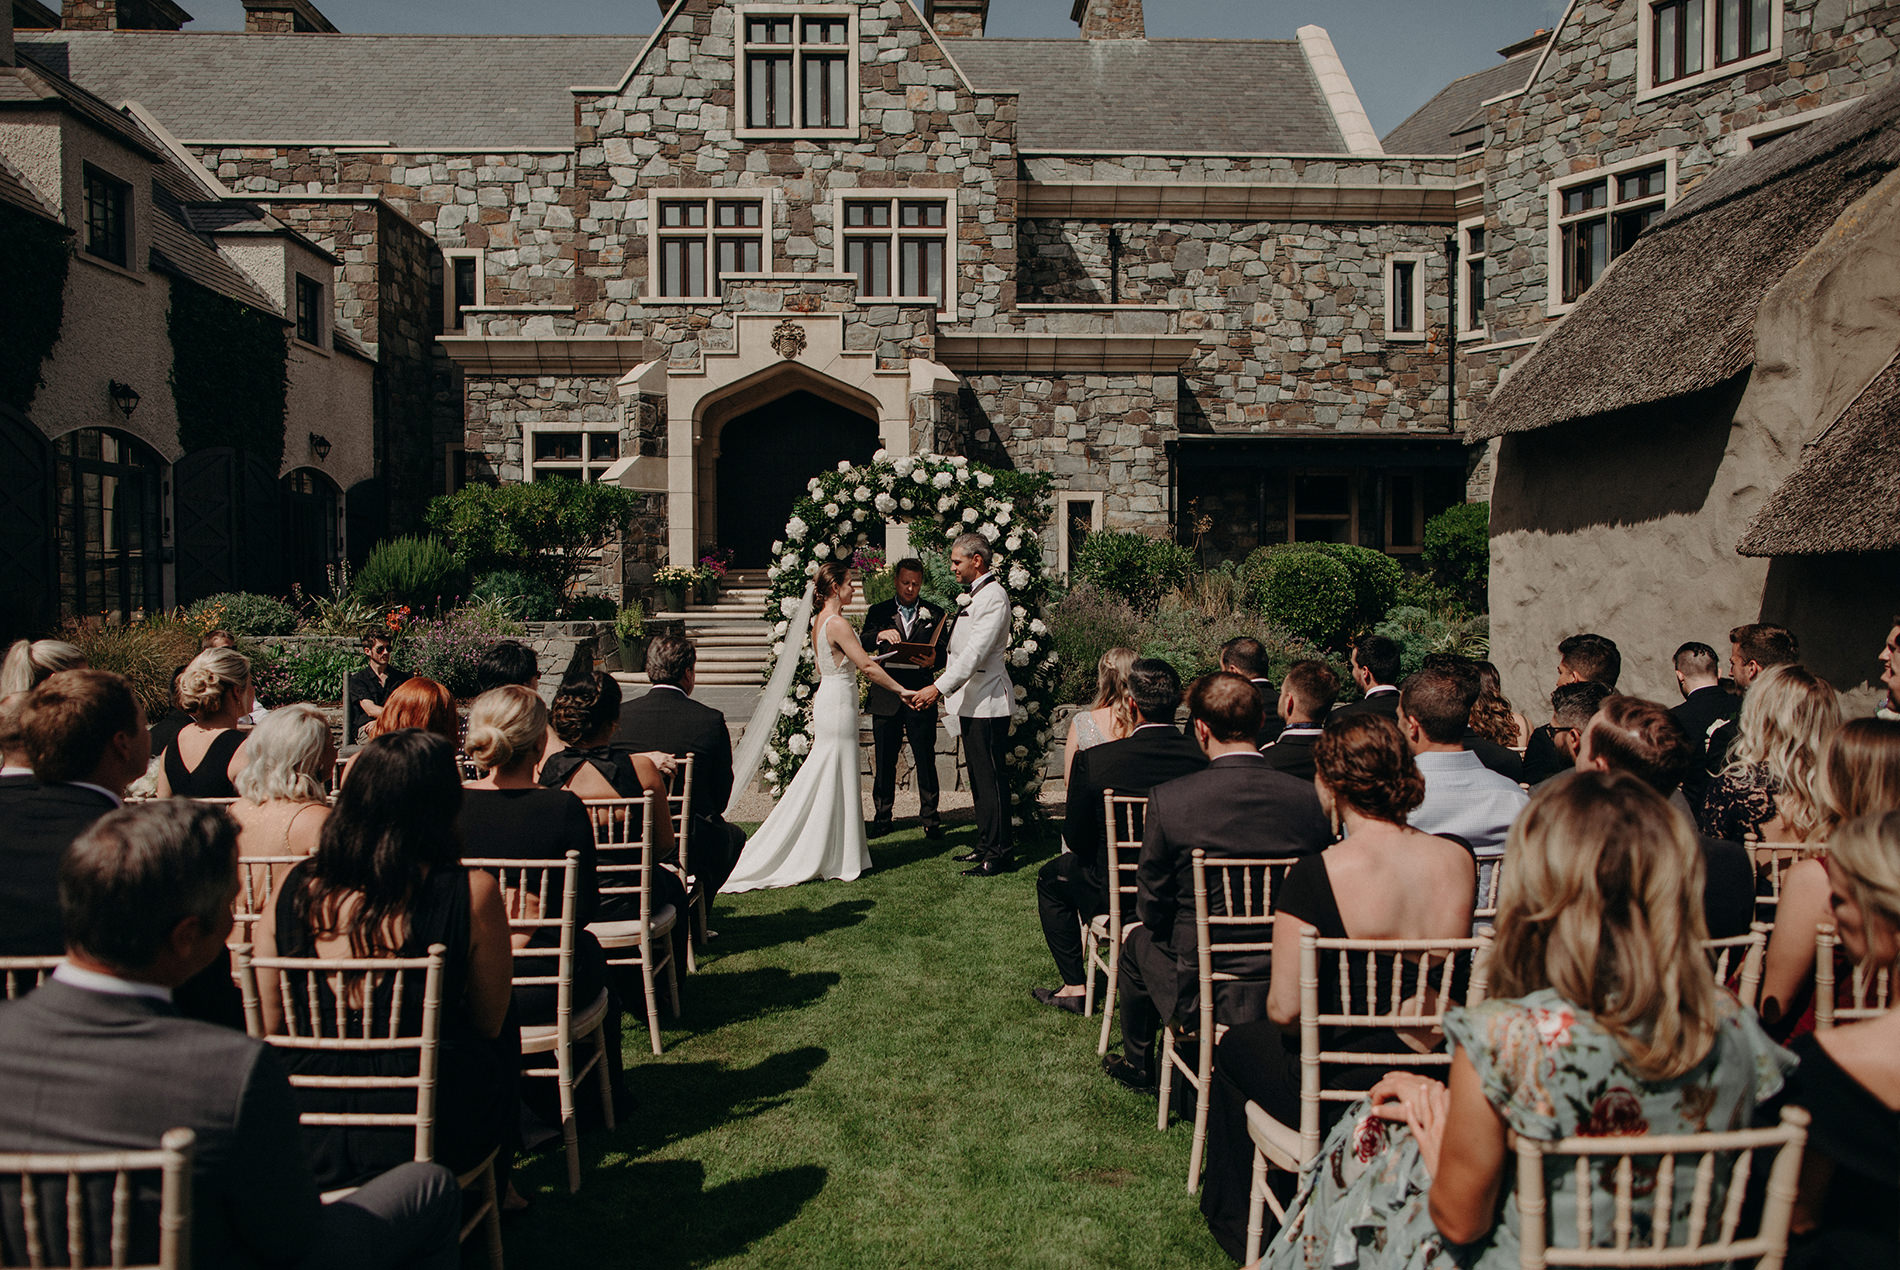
column 714, row 563
column 844, row 514
column 397, row 618
column 675, row 576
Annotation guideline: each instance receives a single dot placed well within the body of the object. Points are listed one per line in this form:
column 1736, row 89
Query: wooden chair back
column 1772, row 861
column 20, row 975
column 1484, row 904
column 258, row 879
column 1738, row 959
column 354, row 1005
column 1400, row 985
column 49, row 1183
column 623, row 848
column 679, row 801
column 1868, row 992
column 1125, row 816
column 1710, row 1218
column 1233, row 914
column 540, row 895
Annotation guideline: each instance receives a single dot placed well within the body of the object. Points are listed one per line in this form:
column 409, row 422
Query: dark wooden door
column 228, row 524
column 29, row 578
column 766, row 458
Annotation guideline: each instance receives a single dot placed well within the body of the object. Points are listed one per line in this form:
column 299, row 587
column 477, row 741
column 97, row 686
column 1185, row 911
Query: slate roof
column 1453, row 120
column 31, row 87
column 462, row 92
column 177, row 250
column 1137, row 96
column 1841, row 497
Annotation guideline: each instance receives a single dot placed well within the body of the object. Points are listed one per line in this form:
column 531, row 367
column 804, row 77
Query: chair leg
column 652, row 999
column 672, row 989
column 1256, row 1205
column 570, row 1130
column 1205, row 1073
column 1164, row 1072
column 1088, row 969
column 602, row 1077
column 1114, row 982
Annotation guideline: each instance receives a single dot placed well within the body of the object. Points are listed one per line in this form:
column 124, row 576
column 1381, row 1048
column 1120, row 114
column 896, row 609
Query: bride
column 817, row 828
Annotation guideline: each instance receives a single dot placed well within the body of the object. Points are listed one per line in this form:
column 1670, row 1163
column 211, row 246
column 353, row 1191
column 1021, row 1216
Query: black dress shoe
column 1049, row 996
column 877, row 828
column 967, row 857
column 933, row 832
column 1126, row 1073
column 986, row 869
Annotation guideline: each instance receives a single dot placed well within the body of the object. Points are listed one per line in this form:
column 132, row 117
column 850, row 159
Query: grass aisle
column 860, row 1078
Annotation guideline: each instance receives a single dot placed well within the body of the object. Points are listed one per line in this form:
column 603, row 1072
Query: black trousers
column 1150, row 994
column 985, row 742
column 888, row 734
column 409, row 1218
column 1065, row 895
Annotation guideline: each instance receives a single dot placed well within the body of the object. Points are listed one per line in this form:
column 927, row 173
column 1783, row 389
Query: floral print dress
column 1551, row 1072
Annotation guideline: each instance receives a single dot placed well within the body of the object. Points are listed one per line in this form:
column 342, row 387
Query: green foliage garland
column 939, row 498
column 33, row 280
column 229, row 373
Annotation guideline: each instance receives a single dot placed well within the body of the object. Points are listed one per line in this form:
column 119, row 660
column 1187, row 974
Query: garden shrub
column 449, row 649
column 546, row 528
column 1422, row 591
column 525, row 596
column 243, row 613
column 1084, row 624
column 1375, row 576
column 144, row 652
column 419, row 572
column 1420, row 632
column 284, row 674
column 630, row 624
column 1308, row 593
column 1457, row 547
column 1133, row 566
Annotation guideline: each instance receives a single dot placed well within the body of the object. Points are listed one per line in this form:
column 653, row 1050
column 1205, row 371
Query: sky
column 1397, row 52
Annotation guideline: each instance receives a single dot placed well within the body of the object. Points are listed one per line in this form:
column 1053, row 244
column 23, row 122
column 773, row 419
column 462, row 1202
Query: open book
column 924, row 655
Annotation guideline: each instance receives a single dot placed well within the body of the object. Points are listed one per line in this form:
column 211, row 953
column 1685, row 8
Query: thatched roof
column 1845, row 495
column 1676, row 313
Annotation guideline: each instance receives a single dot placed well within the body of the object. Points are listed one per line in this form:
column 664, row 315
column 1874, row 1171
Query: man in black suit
column 1585, row 657
column 1643, row 738
column 1237, row 806
column 906, row 618
column 1752, row 648
column 1247, row 657
column 1374, row 660
column 1073, row 887
column 667, row 718
column 98, row 1059
column 1306, row 694
column 1572, row 707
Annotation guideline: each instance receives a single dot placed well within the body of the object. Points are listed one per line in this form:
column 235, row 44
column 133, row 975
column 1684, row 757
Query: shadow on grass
column 750, row 994
column 682, row 1100
column 766, row 930
column 678, row 1222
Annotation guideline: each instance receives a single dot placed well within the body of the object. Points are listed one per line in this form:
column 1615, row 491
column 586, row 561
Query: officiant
column 910, row 637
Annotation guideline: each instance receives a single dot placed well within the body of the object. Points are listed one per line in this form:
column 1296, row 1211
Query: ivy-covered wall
column 33, row 281
column 228, row 373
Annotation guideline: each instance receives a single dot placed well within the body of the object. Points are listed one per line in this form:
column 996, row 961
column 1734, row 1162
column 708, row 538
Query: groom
column 982, row 699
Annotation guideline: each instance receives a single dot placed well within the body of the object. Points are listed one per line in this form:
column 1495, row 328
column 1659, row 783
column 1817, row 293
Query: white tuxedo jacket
column 975, row 680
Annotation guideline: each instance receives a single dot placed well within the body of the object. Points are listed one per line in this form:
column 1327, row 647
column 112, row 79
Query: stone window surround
column 1758, row 135
column 587, row 468
column 1553, row 202
column 839, row 197
column 1060, row 527
column 449, row 256
column 1418, row 332
column 1478, row 330
column 1710, row 72
column 765, row 196
column 740, row 79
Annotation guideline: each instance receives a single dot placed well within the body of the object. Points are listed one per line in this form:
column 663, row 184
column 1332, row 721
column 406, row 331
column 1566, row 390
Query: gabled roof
column 1675, row 314
column 29, row 86
column 1842, row 497
column 15, row 192
column 1140, row 96
column 178, row 250
column 1453, row 120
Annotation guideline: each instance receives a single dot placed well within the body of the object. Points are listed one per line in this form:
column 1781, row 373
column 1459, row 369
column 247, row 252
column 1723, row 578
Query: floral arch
column 939, row 497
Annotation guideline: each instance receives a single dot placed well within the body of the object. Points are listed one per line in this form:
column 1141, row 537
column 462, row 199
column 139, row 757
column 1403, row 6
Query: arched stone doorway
column 766, row 457
column 110, row 518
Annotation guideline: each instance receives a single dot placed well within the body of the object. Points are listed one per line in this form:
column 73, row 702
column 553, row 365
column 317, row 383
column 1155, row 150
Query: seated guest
column 282, row 802
column 1374, row 661
column 1572, row 706
column 1247, row 657
column 1384, row 880
column 1602, row 1016
column 1705, row 705
column 1752, row 648
column 585, row 713
column 667, row 721
column 1073, row 887
column 418, row 702
column 387, row 881
column 1236, row 806
column 1860, row 776
column 1108, row 717
column 1492, row 717
column 1849, row 1077
column 369, row 688
column 1582, row 658
column 1463, row 798
column 509, row 662
column 99, row 1059
column 208, row 753
column 1770, row 789
column 1500, row 759
column 1643, row 739
column 166, row 727
column 1306, row 694
column 27, row 665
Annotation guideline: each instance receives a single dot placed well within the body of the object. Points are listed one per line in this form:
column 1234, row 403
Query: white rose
column 788, row 708
column 963, row 476
column 963, row 599
column 885, row 504
column 771, row 574
column 906, row 504
column 799, row 744
column 862, row 493
column 812, row 487
column 1020, row 691
column 1021, row 751
column 1003, row 515
column 1017, row 610
column 787, row 606
column 1034, row 706
column 857, row 513
column 782, row 627
column 945, row 503
column 984, row 480
column 1019, row 717
column 803, row 691
column 1019, row 658
column 1036, row 624
column 795, row 529
column 1018, row 577
column 844, row 465
column 942, row 480
column 778, row 649
column 959, row 461
column 771, row 755
column 903, row 466
column 988, row 530
column 778, row 545
column 1013, row 543
column 811, row 569
column 822, row 550
column 919, row 475
column 969, row 515
column 1030, row 646
column 831, row 510
column 881, row 455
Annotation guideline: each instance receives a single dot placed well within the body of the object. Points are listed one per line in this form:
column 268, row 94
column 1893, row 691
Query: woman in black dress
column 1383, row 880
column 586, row 712
column 205, row 757
column 387, row 881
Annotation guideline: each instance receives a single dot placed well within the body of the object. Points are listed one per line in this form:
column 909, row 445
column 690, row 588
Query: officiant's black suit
column 665, row 718
column 1238, row 806
column 892, row 722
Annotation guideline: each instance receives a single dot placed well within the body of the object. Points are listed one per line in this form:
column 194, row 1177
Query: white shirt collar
column 98, row 789
column 10, row 770
column 1302, row 729
column 669, row 688
column 93, row 981
column 1145, row 726
column 1379, row 690
column 980, row 580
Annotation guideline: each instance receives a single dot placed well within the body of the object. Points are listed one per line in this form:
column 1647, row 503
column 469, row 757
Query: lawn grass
column 860, row 1078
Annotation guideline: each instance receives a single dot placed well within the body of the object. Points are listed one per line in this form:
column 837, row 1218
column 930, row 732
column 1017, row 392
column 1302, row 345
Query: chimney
column 958, row 19
column 1109, row 19
column 1536, row 40
column 284, row 17
column 121, row 15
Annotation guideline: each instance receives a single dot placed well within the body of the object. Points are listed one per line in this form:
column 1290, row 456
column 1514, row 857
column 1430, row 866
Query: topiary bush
column 1307, row 592
column 1132, row 566
column 524, row 597
column 1375, row 576
column 1457, row 547
column 243, row 613
column 419, row 572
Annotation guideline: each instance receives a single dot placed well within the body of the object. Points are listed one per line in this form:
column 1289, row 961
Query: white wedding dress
column 817, row 828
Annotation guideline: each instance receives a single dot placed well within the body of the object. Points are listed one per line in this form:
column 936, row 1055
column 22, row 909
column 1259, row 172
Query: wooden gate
column 226, row 506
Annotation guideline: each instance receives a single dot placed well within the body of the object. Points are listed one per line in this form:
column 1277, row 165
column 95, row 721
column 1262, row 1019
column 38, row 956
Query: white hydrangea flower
column 795, row 529
column 942, row 480
column 969, row 515
column 919, row 475
column 885, row 504
column 787, row 606
column 862, row 493
column 984, row 480
column 831, row 510
column 1013, row 543
column 903, row 466
column 800, row 744
column 821, row 550
column 1018, row 577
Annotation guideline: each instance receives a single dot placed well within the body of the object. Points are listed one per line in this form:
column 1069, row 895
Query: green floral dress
column 1551, row 1072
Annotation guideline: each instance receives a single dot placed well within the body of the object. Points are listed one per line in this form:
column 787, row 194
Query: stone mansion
column 1182, row 276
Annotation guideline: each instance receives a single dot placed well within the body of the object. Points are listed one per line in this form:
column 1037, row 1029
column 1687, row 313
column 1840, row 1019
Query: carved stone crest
column 788, row 340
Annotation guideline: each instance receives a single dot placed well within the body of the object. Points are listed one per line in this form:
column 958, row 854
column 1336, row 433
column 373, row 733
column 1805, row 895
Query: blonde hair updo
column 503, row 725
column 213, row 677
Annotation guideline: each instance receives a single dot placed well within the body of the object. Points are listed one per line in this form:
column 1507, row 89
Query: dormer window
column 309, row 310
column 108, row 217
column 797, row 71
